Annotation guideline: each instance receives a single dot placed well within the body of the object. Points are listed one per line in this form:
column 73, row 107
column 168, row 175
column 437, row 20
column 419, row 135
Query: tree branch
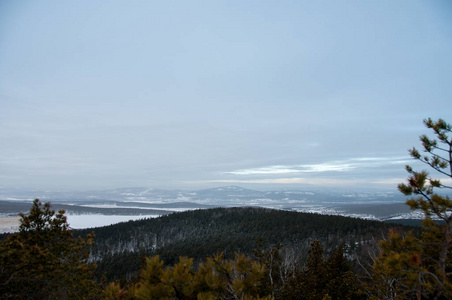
column 436, row 168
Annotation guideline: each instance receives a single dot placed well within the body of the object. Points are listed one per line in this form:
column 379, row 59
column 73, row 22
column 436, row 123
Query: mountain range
column 141, row 201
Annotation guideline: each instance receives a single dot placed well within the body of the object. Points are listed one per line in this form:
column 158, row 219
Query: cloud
column 333, row 166
column 265, row 170
column 389, row 181
column 286, row 181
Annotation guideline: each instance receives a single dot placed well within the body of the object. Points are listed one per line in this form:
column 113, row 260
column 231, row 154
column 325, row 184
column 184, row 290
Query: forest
column 243, row 253
column 119, row 248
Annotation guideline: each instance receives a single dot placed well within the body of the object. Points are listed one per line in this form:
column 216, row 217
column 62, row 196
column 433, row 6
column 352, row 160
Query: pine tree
column 437, row 236
column 314, row 276
column 396, row 269
column 44, row 261
column 323, row 278
column 342, row 283
column 421, row 268
column 216, row 278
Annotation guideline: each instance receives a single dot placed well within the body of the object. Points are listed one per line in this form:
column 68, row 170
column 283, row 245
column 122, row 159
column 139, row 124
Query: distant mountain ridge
column 143, row 200
column 219, row 193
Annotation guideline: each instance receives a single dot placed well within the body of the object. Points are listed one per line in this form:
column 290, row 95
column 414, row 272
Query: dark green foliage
column 436, row 253
column 406, row 222
column 421, row 268
column 201, row 233
column 215, row 278
column 322, row 278
column 342, row 282
column 314, row 276
column 44, row 261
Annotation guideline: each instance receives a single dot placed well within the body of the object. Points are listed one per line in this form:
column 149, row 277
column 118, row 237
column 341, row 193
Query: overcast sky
column 198, row 94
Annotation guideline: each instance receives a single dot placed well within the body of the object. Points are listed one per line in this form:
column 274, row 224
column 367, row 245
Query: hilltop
column 119, row 248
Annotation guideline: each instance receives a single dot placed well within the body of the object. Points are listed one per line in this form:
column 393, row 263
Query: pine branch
column 435, row 167
column 434, row 208
column 445, row 186
column 439, row 156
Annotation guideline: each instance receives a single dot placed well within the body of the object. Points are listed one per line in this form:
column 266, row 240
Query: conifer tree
column 44, row 261
column 323, row 278
column 422, row 267
column 216, row 278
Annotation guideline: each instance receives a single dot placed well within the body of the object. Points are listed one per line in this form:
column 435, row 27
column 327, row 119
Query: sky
column 199, row 94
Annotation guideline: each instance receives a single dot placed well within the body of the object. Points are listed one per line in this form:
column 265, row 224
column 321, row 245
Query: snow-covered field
column 88, row 221
column 11, row 224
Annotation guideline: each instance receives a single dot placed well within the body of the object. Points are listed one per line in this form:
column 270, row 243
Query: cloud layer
column 190, row 94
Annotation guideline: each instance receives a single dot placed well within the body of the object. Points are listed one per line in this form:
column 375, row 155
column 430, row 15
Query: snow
column 98, row 220
column 100, row 205
column 9, row 224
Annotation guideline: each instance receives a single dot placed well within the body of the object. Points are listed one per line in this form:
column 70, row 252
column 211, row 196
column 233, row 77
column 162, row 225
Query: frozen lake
column 11, row 224
column 89, row 221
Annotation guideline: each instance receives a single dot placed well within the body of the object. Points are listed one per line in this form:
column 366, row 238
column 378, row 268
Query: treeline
column 270, row 275
column 119, row 249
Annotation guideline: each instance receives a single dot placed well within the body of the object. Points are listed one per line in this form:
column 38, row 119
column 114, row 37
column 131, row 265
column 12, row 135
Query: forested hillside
column 119, row 249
